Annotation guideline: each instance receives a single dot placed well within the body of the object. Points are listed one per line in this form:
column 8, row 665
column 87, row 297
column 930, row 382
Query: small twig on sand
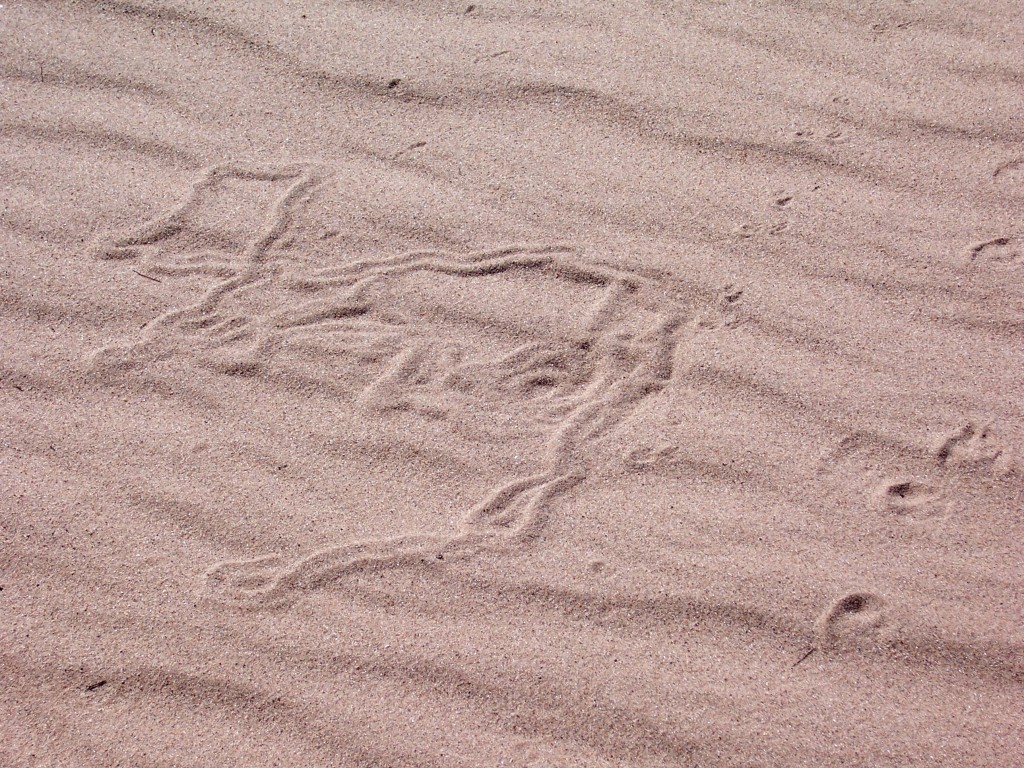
column 146, row 276
column 802, row 658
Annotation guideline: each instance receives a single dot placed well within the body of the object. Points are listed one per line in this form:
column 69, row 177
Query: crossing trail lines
column 537, row 347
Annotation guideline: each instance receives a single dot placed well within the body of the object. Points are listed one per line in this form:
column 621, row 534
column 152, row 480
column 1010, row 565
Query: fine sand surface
column 515, row 384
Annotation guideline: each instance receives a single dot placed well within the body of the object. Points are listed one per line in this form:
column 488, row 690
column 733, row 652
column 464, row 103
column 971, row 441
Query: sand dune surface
column 511, row 384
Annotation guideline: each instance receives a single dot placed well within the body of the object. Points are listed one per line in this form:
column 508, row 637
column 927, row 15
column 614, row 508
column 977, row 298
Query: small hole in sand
column 852, row 604
column 902, row 490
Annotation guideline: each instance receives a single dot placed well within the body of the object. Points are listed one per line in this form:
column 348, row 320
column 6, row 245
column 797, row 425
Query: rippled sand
column 423, row 384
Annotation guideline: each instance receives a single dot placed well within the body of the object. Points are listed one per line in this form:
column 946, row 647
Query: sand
column 512, row 384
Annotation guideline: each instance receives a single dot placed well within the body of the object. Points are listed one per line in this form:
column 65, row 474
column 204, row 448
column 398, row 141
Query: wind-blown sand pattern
column 419, row 384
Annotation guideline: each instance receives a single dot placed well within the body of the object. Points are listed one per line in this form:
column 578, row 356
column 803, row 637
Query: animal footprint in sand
column 536, row 349
column 781, row 200
column 1000, row 252
column 861, row 461
column 748, row 230
column 890, row 27
column 1010, row 176
column 807, row 136
column 851, row 620
column 723, row 314
column 932, row 489
column 911, row 499
column 976, row 447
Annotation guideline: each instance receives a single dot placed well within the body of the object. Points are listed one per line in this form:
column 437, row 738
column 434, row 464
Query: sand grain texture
column 425, row 384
